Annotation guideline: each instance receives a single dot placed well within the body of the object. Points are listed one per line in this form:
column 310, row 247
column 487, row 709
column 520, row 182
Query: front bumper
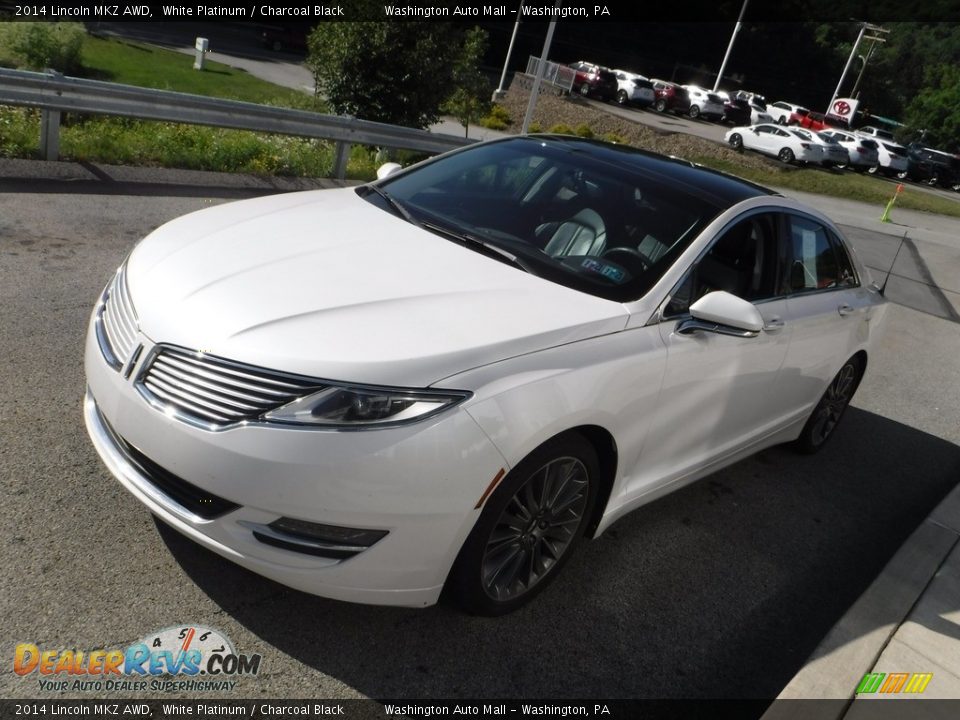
column 419, row 483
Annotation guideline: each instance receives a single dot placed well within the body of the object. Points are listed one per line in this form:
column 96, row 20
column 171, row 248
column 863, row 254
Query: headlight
column 346, row 407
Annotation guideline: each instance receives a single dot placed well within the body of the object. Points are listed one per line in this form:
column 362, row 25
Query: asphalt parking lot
column 719, row 590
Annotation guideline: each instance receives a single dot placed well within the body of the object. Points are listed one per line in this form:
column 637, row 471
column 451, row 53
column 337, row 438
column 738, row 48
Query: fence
column 559, row 76
column 54, row 94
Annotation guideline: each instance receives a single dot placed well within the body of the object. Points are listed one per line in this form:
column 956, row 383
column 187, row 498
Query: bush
column 584, row 131
column 614, row 138
column 497, row 119
column 535, row 127
column 561, row 129
column 39, row 45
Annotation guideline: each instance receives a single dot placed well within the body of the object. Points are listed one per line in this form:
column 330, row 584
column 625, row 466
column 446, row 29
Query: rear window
column 643, row 84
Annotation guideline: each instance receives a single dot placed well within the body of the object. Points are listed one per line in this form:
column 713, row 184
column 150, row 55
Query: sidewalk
column 907, row 621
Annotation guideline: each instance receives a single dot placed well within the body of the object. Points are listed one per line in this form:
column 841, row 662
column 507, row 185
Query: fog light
column 327, row 533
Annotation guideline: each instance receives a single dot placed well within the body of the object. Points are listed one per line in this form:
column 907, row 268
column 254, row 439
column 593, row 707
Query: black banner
column 724, row 11
column 874, row 709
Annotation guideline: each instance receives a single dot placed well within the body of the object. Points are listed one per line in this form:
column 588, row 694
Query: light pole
column 736, row 29
column 541, row 69
column 500, row 92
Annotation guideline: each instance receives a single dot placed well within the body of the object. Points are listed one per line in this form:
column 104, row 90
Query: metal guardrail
column 54, row 94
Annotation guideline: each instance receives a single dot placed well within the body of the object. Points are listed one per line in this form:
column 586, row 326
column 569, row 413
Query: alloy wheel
column 535, row 529
column 834, row 402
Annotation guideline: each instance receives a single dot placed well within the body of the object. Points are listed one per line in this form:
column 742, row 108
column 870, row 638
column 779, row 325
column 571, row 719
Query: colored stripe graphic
column 870, row 683
column 918, row 682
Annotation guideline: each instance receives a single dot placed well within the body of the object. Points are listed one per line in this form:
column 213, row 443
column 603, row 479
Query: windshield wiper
column 395, row 204
column 480, row 245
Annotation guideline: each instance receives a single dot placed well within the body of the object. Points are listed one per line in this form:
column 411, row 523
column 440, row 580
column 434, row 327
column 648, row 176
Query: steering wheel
column 629, row 252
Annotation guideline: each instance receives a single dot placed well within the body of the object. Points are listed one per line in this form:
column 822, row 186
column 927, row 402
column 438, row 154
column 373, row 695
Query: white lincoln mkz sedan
column 446, row 378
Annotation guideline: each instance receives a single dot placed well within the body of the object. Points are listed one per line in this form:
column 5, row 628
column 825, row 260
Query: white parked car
column 782, row 112
column 777, row 141
column 704, row 103
column 634, row 89
column 450, row 376
column 864, row 151
column 892, row 158
column 834, row 154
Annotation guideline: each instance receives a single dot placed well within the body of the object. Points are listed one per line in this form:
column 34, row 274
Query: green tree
column 470, row 100
column 42, row 45
column 391, row 72
column 936, row 109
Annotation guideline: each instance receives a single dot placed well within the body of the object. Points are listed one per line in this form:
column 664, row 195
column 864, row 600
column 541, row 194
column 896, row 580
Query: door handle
column 844, row 310
column 773, row 325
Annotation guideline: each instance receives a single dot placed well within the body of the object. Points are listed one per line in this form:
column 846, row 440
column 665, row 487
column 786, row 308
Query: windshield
column 576, row 213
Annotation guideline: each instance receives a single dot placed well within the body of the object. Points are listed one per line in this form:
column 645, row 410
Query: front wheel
column 661, row 105
column 528, row 528
column 585, row 90
column 694, row 112
column 622, row 97
column 825, row 416
column 786, row 155
column 736, row 142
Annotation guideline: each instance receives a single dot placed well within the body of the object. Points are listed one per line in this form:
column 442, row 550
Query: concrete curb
column 856, row 642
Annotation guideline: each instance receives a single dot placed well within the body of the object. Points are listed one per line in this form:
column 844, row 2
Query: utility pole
column 853, row 53
column 736, row 29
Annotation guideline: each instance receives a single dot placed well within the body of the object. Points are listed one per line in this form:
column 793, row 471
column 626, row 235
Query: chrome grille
column 117, row 322
column 214, row 392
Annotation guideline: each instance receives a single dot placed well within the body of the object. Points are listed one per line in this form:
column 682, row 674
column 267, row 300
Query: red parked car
column 594, row 81
column 670, row 96
column 817, row 121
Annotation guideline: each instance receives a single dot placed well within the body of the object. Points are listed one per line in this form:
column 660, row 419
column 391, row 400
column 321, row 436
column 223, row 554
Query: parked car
column 784, row 113
column 779, row 142
column 594, row 81
column 933, row 167
column 864, row 153
column 634, row 89
column 736, row 111
column 447, row 378
column 876, row 133
column 670, row 97
column 892, row 158
column 704, row 103
column 758, row 107
column 834, row 154
column 818, row 121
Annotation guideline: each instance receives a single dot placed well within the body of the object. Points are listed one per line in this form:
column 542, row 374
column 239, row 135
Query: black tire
column 694, row 112
column 661, row 105
column 277, row 46
column 497, row 570
column 902, row 175
column 786, row 155
column 828, row 412
column 736, row 142
column 874, row 170
column 585, row 90
column 622, row 98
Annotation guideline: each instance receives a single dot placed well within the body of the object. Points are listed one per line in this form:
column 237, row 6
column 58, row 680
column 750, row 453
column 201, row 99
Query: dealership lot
column 720, row 590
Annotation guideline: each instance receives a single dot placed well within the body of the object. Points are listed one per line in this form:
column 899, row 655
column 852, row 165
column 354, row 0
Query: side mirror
column 388, row 169
column 723, row 313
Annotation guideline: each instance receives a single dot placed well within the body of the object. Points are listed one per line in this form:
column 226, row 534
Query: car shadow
column 719, row 590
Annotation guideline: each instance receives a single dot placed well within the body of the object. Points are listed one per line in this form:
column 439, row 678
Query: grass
column 847, row 185
column 132, row 63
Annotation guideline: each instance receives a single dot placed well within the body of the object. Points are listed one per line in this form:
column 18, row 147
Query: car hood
column 325, row 284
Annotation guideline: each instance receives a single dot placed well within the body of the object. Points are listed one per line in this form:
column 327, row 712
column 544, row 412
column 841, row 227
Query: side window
column 744, row 261
column 848, row 277
column 813, row 262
